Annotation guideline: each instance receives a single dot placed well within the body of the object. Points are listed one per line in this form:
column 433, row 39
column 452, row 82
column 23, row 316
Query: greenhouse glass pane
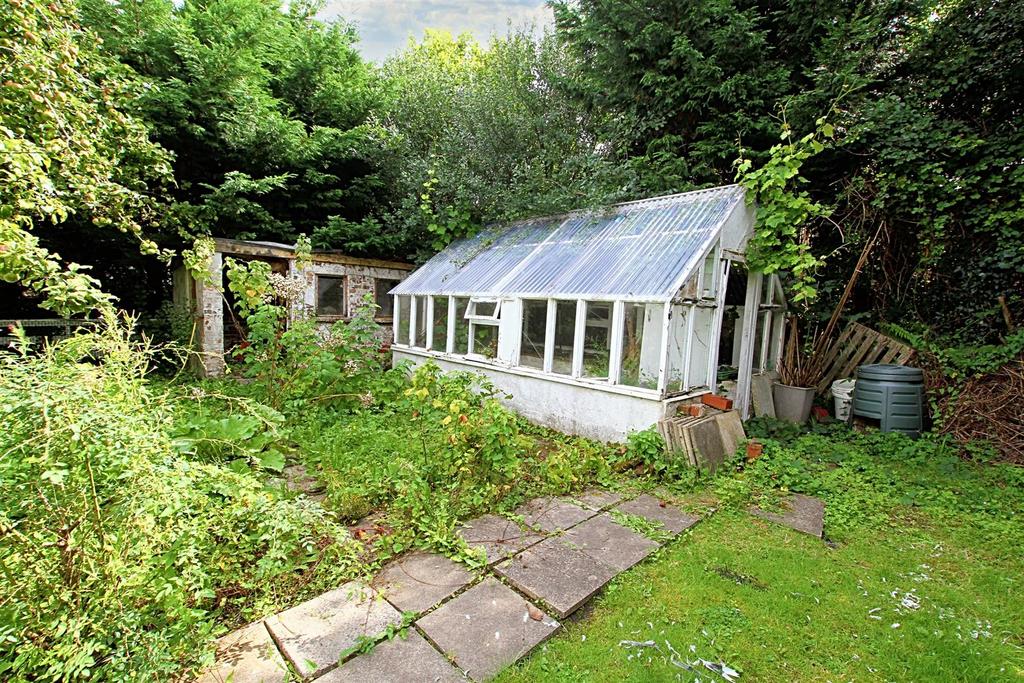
column 403, row 320
column 565, row 336
column 535, row 325
column 420, row 340
column 641, row 344
column 597, row 339
column 440, row 328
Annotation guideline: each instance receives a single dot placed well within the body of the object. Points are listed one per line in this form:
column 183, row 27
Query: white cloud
column 386, row 25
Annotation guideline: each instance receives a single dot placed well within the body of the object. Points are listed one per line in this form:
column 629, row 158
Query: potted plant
column 799, row 373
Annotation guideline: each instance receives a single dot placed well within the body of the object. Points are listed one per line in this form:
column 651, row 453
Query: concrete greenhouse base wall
column 569, row 408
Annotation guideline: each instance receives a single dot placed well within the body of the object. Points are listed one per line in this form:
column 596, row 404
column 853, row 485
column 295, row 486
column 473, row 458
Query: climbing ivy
column 785, row 211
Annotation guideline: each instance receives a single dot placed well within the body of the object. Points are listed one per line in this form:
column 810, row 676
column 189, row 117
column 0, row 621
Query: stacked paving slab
column 467, row 624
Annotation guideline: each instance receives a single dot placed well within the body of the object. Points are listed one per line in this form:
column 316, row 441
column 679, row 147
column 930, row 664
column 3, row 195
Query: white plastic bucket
column 842, row 393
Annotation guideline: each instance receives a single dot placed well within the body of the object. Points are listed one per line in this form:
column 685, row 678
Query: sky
column 385, row 25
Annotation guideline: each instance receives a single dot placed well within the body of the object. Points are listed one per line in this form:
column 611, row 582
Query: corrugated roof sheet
column 638, row 250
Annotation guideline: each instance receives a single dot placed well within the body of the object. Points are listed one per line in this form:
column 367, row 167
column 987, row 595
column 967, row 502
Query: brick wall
column 359, row 285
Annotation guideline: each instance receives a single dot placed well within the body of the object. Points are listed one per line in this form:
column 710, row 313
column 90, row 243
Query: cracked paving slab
column 499, row 537
column 418, row 580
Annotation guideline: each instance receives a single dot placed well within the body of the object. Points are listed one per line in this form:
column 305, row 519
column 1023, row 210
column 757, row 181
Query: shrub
column 117, row 552
column 285, row 353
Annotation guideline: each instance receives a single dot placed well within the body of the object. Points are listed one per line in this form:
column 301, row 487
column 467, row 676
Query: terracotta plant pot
column 793, row 404
column 754, row 450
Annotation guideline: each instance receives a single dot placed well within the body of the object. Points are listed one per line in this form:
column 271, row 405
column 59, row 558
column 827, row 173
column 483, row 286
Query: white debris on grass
column 637, row 647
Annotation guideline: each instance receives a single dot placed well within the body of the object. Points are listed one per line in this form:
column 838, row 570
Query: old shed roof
column 641, row 250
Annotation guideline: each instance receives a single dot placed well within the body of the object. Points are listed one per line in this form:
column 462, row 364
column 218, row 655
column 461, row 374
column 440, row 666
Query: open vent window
column 485, row 311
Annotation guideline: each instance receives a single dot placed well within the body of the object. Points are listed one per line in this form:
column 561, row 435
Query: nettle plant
column 285, row 351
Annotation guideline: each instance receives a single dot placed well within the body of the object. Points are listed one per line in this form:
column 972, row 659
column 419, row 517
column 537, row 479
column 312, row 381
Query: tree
column 69, row 149
column 490, row 133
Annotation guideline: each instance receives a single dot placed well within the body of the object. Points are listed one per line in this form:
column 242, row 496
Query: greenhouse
column 599, row 323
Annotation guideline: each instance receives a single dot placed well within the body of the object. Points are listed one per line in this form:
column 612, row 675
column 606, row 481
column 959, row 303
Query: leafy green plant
column 240, row 440
column 647, row 449
column 122, row 557
column 284, row 352
column 784, row 210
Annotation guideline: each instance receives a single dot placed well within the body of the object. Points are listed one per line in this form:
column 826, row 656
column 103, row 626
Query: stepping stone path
column 315, row 633
column 650, row 508
column 552, row 514
column 555, row 572
column 468, row 625
column 486, row 628
column 247, row 656
column 497, row 536
column 608, row 542
column 418, row 581
column 805, row 514
column 400, row 659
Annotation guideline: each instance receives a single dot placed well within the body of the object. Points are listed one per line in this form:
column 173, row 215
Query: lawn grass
column 778, row 605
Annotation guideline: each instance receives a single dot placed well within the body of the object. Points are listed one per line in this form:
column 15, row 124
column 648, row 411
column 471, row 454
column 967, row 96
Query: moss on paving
column 778, row 605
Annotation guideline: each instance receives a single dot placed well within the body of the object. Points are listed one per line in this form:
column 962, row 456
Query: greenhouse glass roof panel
column 637, row 250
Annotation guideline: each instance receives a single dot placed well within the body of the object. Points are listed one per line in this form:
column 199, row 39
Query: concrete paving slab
column 486, row 628
column 247, row 655
column 597, row 499
column 805, row 514
column 417, row 581
column 761, row 398
column 499, row 537
column 650, row 508
column 731, row 427
column 397, row 660
column 557, row 573
column 314, row 634
column 609, row 543
column 706, row 438
column 552, row 514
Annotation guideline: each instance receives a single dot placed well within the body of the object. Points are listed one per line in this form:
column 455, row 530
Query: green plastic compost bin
column 893, row 395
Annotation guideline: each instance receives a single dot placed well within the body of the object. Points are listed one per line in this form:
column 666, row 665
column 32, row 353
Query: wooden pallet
column 860, row 345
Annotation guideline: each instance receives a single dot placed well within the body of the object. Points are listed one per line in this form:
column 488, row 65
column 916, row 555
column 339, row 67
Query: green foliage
column 120, row 554
column 69, row 147
column 266, row 108
column 488, row 133
column 648, row 449
column 868, row 478
column 250, row 437
column 284, row 351
column 440, row 450
column 785, row 210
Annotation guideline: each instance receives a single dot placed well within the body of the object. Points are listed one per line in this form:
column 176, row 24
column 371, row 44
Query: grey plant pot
column 792, row 404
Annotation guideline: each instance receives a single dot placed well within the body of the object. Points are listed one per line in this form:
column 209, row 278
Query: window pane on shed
column 535, row 325
column 381, row 297
column 403, row 320
column 461, row 325
column 439, row 341
column 565, row 336
column 597, row 339
column 641, row 344
column 421, row 322
column 330, row 295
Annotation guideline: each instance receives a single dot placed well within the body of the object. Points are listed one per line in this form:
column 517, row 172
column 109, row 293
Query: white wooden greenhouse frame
column 597, row 323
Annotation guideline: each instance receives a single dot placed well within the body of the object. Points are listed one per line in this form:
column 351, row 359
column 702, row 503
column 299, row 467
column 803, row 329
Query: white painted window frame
column 548, row 333
column 473, row 316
